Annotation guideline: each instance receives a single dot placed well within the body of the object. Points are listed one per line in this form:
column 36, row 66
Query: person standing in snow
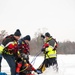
column 9, row 48
column 50, row 54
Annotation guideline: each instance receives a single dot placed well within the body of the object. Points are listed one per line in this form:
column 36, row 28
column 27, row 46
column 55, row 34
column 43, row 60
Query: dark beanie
column 17, row 33
column 47, row 34
column 27, row 37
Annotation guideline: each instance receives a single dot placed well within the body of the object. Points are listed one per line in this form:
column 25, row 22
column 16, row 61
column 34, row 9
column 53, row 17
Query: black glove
column 43, row 49
column 42, row 36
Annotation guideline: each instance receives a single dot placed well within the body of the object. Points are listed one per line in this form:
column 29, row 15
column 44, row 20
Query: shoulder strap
column 56, row 43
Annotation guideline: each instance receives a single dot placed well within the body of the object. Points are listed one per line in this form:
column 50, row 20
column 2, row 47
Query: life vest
column 50, row 51
column 10, row 46
column 23, row 46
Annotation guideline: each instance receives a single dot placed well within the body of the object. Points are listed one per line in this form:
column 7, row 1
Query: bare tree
column 3, row 33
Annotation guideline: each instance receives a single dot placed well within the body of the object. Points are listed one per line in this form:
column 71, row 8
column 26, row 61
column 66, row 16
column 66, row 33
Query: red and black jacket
column 10, row 45
column 23, row 46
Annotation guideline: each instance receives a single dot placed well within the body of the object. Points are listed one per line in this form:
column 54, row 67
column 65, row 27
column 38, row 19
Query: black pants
column 11, row 62
column 49, row 62
column 0, row 62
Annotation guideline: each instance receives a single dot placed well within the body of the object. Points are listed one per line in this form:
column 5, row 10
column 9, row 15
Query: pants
column 47, row 63
column 0, row 62
column 50, row 62
column 11, row 62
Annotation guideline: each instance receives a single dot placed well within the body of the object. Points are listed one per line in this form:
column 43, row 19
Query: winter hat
column 47, row 34
column 27, row 37
column 17, row 33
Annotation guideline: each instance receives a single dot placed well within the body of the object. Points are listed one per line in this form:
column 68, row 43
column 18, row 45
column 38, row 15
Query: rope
column 24, row 69
column 35, row 57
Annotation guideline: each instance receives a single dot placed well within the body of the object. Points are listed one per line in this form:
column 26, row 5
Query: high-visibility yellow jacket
column 49, row 51
column 1, row 48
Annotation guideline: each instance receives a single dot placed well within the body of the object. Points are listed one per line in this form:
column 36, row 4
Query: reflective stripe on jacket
column 50, row 53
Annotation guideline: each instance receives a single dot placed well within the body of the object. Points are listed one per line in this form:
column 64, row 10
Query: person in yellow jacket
column 49, row 50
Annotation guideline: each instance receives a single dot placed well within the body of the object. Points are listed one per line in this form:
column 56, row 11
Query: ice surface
column 66, row 65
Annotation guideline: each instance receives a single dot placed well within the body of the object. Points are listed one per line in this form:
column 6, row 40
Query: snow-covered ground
column 66, row 65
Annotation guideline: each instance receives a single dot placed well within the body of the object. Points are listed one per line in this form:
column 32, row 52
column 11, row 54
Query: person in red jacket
column 9, row 48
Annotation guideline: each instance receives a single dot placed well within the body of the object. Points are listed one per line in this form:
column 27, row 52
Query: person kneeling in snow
column 23, row 66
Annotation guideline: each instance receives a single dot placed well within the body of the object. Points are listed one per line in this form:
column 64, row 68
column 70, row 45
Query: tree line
column 66, row 47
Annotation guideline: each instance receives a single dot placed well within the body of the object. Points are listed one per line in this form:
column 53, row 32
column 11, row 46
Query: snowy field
column 66, row 65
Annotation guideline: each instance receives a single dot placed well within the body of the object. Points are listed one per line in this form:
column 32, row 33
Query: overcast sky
column 57, row 16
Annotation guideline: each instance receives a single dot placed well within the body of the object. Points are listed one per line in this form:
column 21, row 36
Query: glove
column 43, row 49
column 38, row 71
column 45, row 45
column 42, row 36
